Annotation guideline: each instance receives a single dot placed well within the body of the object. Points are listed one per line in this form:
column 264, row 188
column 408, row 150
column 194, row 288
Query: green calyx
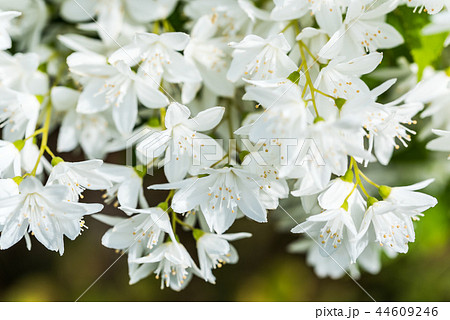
column 348, row 176
column 318, row 119
column 197, row 234
column 154, row 123
column 243, row 154
column 345, row 205
column 56, row 161
column 18, row 180
column 294, row 77
column 140, row 170
column 384, row 191
column 19, row 144
column 340, row 103
column 40, row 99
column 371, row 201
column 164, row 206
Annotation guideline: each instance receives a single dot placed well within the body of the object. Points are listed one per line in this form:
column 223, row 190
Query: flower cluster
column 173, row 84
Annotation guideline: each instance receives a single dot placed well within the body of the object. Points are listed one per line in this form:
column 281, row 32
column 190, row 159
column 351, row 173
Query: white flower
column 113, row 87
column 335, row 226
column 5, row 21
column 26, row 30
column 43, row 211
column 211, row 56
column 442, row 143
column 172, row 263
column 230, row 16
column 258, row 59
column 362, row 31
column 220, row 195
column 8, row 188
column 127, row 185
column 113, row 15
column 289, row 9
column 93, row 132
column 214, row 251
column 10, row 160
column 182, row 141
column 79, row 176
column 435, row 92
column 285, row 114
column 334, row 266
column 147, row 226
column 18, row 114
column 341, row 79
column 384, row 123
column 431, row 6
column 20, row 72
column 158, row 57
column 336, row 140
column 392, row 218
column 137, row 235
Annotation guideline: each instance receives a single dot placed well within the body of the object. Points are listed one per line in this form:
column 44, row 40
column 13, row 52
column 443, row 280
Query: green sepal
column 340, row 102
column 40, row 99
column 318, row 119
column 243, row 154
column 164, row 206
column 140, row 170
column 384, row 191
column 197, row 234
column 345, row 205
column 18, row 180
column 154, row 123
column 348, row 176
column 294, row 77
column 56, row 161
column 371, row 201
column 19, row 144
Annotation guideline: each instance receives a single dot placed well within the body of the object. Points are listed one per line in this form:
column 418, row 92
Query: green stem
column 162, row 112
column 217, row 162
column 324, row 94
column 309, row 82
column 37, row 132
column 368, row 180
column 184, row 224
column 290, row 24
column 50, row 152
column 45, row 132
column 358, row 174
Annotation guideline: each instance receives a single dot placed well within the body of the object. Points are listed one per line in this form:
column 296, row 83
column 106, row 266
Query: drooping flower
column 45, row 211
column 259, row 59
column 183, row 144
column 113, row 87
column 442, row 143
column 126, row 185
column 392, row 218
column 362, row 32
column 221, row 195
column 172, row 264
column 429, row 6
column 18, row 114
column 214, row 251
column 159, row 58
column 79, row 176
column 5, row 20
